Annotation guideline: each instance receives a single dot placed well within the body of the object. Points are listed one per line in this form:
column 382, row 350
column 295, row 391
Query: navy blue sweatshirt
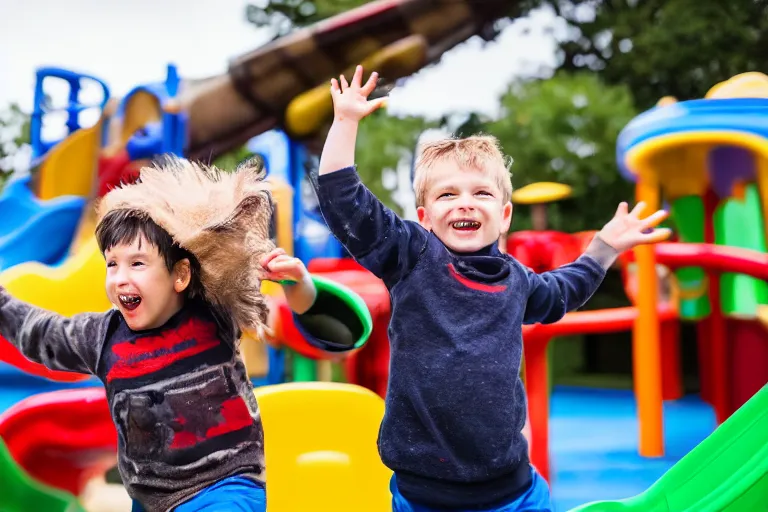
column 455, row 404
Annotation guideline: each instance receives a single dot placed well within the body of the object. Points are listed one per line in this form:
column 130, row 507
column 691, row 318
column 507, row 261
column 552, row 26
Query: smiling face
column 464, row 208
column 140, row 285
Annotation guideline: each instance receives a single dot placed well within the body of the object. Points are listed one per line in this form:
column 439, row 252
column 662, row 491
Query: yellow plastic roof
column 542, row 192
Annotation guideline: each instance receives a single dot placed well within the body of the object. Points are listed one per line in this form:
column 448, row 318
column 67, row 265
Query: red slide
column 62, row 438
column 9, row 354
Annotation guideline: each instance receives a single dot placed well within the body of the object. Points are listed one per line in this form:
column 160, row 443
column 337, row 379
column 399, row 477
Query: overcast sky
column 127, row 43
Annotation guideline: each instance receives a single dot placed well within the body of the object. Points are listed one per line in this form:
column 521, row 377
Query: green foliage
column 383, row 143
column 231, row 159
column 14, row 134
column 284, row 15
column 564, row 130
column 658, row 48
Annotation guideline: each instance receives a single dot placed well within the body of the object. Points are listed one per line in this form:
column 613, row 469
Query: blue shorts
column 233, row 494
column 535, row 499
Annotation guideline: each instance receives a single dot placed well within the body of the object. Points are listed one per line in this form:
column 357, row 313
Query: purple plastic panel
column 729, row 165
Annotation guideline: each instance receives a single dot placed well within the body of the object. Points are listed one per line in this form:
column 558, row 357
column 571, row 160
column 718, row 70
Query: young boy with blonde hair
column 455, row 404
column 186, row 249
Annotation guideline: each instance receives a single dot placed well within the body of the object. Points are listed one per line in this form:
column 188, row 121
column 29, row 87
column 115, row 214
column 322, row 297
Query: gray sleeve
column 601, row 252
column 57, row 342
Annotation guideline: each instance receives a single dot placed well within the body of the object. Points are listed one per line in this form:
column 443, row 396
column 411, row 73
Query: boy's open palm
column 350, row 101
column 626, row 229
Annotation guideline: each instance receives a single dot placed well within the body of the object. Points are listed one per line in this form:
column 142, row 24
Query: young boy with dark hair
column 186, row 249
column 455, row 404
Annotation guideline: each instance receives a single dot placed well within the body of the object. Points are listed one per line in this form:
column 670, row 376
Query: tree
column 14, row 135
column 657, row 48
column 285, row 15
column 564, row 129
column 231, row 159
column 384, row 143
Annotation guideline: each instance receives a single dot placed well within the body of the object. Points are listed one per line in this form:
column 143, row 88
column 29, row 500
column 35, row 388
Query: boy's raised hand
column 626, row 229
column 350, row 101
column 280, row 267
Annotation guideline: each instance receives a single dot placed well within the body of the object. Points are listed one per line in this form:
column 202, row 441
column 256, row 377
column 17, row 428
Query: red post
column 537, row 389
column 719, row 353
column 704, row 344
column 671, row 371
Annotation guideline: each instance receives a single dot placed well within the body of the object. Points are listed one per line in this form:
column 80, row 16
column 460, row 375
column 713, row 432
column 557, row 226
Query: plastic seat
column 321, row 454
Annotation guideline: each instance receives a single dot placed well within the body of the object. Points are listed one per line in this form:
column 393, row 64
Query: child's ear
column 182, row 275
column 424, row 219
column 506, row 217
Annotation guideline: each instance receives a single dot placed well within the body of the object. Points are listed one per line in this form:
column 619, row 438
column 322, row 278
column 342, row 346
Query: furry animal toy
column 222, row 218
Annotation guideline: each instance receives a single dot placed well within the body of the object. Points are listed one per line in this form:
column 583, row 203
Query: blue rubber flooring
column 594, row 443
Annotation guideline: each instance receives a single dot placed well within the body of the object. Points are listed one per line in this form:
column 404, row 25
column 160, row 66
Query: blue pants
column 233, row 494
column 535, row 499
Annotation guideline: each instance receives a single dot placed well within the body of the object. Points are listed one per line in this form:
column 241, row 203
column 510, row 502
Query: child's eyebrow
column 137, row 253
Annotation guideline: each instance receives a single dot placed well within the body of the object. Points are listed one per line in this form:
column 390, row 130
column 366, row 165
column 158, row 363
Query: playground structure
column 206, row 118
column 708, row 160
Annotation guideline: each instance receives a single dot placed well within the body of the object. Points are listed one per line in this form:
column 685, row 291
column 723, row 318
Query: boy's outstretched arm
column 372, row 233
column 552, row 294
column 56, row 342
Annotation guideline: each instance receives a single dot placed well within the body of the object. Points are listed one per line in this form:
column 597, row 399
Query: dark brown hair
column 125, row 226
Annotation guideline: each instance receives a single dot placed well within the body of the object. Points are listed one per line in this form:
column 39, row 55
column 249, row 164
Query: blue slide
column 35, row 230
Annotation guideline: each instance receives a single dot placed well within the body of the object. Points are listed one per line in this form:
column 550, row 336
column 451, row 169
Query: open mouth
column 466, row 225
column 129, row 301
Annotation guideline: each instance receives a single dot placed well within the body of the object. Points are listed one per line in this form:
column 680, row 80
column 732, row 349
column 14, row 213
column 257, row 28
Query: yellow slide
column 70, row 168
column 75, row 286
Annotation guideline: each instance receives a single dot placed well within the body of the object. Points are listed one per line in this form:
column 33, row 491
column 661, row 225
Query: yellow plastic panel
column 70, row 167
column 76, row 286
column 321, row 454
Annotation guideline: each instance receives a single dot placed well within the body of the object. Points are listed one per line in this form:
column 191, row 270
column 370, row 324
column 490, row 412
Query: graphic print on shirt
column 192, row 412
column 174, row 395
column 484, row 274
column 143, row 356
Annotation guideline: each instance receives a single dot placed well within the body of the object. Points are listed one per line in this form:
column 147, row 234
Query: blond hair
column 478, row 152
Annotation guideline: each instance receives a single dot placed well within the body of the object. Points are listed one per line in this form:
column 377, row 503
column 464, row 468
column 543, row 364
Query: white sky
column 126, row 43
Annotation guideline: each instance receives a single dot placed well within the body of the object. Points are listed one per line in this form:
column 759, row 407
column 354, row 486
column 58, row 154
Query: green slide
column 739, row 223
column 688, row 217
column 21, row 493
column 728, row 471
